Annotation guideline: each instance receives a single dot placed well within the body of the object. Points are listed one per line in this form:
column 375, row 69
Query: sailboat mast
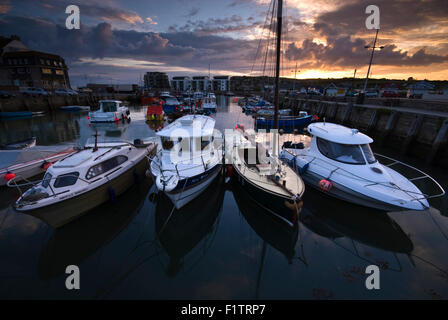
column 277, row 65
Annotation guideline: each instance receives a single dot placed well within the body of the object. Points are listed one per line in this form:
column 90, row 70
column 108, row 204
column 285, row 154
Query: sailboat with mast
column 258, row 168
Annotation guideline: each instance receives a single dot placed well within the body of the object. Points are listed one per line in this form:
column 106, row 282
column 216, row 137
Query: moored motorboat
column 209, row 103
column 339, row 162
column 154, row 111
column 181, row 174
column 18, row 145
column 84, row 180
column 29, row 162
column 286, row 122
column 110, row 111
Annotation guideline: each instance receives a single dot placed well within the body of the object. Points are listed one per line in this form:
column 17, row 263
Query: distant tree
column 410, row 79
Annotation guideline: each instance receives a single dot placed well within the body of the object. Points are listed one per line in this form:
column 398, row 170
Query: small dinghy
column 339, row 162
column 18, row 145
column 181, row 174
column 271, row 183
column 25, row 163
column 85, row 179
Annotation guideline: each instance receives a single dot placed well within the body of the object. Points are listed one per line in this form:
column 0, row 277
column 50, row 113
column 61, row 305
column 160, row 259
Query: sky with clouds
column 121, row 40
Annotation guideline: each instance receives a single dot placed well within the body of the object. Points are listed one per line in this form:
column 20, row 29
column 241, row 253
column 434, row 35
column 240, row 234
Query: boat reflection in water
column 278, row 234
column 186, row 234
column 76, row 241
column 333, row 218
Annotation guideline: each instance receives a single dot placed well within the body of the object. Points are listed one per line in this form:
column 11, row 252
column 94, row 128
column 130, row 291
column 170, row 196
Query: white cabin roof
column 189, row 126
column 336, row 133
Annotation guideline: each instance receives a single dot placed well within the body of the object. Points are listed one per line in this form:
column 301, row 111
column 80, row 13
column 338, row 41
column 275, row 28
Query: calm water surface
column 220, row 246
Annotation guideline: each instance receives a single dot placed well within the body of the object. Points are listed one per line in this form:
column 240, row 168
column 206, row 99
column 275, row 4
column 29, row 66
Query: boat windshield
column 109, row 106
column 368, row 153
column 346, row 153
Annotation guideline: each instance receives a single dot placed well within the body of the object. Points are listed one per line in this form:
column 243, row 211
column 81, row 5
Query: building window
column 25, row 61
column 59, row 72
column 42, row 61
column 46, row 71
column 48, row 63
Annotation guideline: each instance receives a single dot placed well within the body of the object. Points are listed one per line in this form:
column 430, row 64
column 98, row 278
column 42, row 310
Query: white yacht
column 84, row 179
column 110, row 111
column 188, row 161
column 270, row 182
column 339, row 162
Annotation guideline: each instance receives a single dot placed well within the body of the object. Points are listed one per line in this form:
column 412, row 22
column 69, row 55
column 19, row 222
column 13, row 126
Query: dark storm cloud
column 235, row 23
column 185, row 49
column 395, row 16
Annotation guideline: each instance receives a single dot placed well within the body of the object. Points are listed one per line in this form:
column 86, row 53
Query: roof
column 189, row 126
column 337, row 133
column 4, row 41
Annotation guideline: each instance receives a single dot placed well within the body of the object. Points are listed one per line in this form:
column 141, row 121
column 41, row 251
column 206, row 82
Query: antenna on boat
column 324, row 121
column 95, row 148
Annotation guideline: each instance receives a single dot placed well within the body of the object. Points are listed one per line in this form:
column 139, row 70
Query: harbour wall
column 419, row 133
column 51, row 103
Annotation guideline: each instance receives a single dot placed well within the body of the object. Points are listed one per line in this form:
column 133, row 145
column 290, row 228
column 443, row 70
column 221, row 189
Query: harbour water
column 220, row 246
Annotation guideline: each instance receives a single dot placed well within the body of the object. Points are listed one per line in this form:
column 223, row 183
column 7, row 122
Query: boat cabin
column 188, row 137
column 341, row 144
column 109, row 105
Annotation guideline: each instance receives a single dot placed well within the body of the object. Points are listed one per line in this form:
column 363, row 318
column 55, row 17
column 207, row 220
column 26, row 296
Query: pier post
column 389, row 127
column 412, row 133
column 438, row 141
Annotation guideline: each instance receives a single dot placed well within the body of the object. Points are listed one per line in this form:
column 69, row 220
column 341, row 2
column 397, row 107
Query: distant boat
column 286, row 123
column 170, row 105
column 110, row 111
column 75, row 108
column 20, row 114
column 17, row 145
column 209, row 102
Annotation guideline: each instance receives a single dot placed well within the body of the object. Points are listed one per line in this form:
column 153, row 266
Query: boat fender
column 136, row 176
column 325, row 185
column 304, row 169
column 148, row 173
column 9, row 176
column 45, row 165
column 229, row 171
column 112, row 196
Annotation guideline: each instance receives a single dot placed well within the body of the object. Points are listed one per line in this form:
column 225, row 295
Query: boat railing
column 415, row 178
column 421, row 179
column 29, row 184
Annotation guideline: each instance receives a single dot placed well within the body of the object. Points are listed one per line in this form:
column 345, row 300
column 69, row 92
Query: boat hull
column 281, row 207
column 61, row 213
column 189, row 189
column 343, row 193
column 298, row 123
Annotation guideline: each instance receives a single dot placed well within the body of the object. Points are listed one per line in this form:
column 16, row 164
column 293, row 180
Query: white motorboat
column 209, row 102
column 188, row 161
column 270, row 182
column 110, row 111
column 339, row 162
column 29, row 162
column 84, row 180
